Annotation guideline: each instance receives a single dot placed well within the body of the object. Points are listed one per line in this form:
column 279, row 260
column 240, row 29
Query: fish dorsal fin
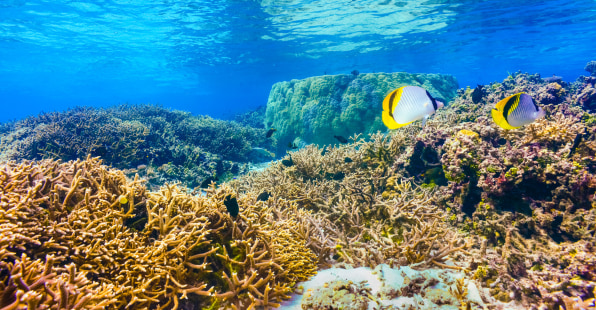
column 501, row 104
column 511, row 105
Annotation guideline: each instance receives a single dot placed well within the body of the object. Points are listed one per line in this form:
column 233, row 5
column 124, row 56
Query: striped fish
column 408, row 104
column 516, row 111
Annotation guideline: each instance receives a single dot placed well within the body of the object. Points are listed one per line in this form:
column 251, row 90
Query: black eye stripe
column 391, row 102
column 432, row 99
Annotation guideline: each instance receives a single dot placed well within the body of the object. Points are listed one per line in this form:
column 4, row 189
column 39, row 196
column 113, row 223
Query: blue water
column 221, row 57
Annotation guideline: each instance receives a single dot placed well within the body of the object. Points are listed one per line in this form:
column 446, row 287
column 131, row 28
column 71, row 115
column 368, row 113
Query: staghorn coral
column 120, row 246
column 36, row 285
column 359, row 218
column 521, row 194
column 512, row 210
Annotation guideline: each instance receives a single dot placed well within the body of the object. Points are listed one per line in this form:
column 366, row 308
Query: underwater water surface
column 221, row 57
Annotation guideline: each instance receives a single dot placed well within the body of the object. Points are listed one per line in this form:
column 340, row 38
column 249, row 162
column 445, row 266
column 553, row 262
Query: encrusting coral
column 158, row 144
column 107, row 243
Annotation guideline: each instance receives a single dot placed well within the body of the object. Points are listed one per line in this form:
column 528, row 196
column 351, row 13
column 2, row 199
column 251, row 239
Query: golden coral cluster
column 370, row 216
column 80, row 235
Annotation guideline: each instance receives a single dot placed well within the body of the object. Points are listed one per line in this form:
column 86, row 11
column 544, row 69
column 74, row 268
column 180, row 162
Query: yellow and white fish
column 408, row 104
column 516, row 111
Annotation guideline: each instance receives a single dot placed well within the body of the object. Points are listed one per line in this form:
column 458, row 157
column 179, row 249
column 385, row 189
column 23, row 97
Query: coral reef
column 392, row 288
column 468, row 214
column 365, row 216
column 591, row 67
column 80, row 235
column 526, row 194
column 166, row 145
column 586, row 93
column 316, row 109
column 524, row 198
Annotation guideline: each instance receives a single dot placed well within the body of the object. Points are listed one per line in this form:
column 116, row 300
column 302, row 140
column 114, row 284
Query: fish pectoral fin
column 424, row 120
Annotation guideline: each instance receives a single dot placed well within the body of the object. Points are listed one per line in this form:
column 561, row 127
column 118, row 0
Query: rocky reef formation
column 159, row 144
column 316, row 109
column 526, row 195
column 516, row 207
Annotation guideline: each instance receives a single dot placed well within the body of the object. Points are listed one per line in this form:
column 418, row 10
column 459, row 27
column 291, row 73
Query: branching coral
column 120, row 246
column 174, row 144
column 514, row 209
column 369, row 216
column 35, row 285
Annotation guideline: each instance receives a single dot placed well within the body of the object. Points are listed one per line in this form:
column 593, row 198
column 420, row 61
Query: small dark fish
column 348, row 160
column 576, row 143
column 341, row 139
column 355, row 72
column 264, row 196
column 288, row 162
column 338, row 176
column 477, row 94
column 553, row 79
column 232, row 205
column 270, row 132
column 292, row 146
column 208, row 181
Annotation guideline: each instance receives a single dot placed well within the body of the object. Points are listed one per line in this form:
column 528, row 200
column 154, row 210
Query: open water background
column 220, row 57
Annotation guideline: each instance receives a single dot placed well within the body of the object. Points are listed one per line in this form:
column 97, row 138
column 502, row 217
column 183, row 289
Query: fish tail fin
column 500, row 120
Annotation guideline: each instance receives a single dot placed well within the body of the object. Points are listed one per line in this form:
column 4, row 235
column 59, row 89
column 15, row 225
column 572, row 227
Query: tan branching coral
column 121, row 247
column 37, row 285
column 368, row 216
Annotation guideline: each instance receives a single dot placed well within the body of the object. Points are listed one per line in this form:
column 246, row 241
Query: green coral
column 318, row 108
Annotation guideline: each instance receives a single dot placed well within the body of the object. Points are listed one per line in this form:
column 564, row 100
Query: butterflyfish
column 408, row 104
column 516, row 111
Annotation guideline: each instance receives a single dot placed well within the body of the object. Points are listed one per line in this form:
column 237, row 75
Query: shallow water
column 221, row 57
